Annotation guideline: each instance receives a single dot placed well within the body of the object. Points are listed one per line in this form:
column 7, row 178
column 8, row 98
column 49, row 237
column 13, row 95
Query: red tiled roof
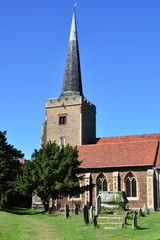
column 118, row 154
column 132, row 138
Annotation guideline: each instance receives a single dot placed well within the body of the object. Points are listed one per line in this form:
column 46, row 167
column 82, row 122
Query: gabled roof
column 119, row 154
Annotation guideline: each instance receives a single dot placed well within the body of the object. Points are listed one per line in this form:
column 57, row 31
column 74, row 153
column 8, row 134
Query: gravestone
column 125, row 218
column 145, row 209
column 76, row 209
column 122, row 225
column 98, row 204
column 95, row 221
column 85, row 215
column 140, row 212
column 91, row 212
column 66, row 211
column 113, row 199
column 134, row 220
column 58, row 205
column 88, row 205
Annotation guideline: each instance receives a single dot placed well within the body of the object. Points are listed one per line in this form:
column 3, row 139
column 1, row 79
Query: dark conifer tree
column 52, row 173
column 9, row 167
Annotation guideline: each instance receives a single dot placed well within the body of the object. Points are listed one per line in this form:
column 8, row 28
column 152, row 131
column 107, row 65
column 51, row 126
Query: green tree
column 9, row 167
column 52, row 173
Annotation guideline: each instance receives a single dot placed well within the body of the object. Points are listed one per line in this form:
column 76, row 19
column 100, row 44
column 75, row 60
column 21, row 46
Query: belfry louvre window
column 131, row 185
column 101, row 183
column 62, row 119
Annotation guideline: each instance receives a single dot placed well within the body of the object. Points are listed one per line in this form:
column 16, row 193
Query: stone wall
column 88, row 121
column 80, row 123
column 116, row 180
column 145, row 188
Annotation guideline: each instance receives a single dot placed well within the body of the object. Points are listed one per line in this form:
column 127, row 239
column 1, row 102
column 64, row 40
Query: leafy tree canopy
column 9, row 166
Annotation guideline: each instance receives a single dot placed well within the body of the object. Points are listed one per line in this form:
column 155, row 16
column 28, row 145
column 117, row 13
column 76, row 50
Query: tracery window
column 131, row 185
column 101, row 183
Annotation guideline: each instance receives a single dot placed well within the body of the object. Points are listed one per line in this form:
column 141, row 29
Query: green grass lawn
column 31, row 225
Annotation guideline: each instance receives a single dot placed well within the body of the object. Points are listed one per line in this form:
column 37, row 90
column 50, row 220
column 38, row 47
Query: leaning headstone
column 91, row 212
column 76, row 209
column 85, row 215
column 145, row 209
column 98, row 205
column 125, row 218
column 66, row 211
column 140, row 212
column 95, row 221
column 134, row 220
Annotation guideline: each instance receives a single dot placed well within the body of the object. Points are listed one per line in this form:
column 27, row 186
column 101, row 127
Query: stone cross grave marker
column 85, row 215
column 66, row 211
column 98, row 205
column 91, row 212
column 134, row 220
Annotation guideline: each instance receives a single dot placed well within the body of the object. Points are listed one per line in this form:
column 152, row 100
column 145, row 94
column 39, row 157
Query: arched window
column 101, row 183
column 131, row 185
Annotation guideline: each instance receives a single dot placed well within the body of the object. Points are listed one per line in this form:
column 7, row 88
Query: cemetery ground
column 34, row 224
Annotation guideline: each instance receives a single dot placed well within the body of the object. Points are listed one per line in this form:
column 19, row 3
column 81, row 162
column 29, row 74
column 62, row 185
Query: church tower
column 70, row 118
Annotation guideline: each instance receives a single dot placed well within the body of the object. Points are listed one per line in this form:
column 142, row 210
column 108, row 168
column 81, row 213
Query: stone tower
column 70, row 118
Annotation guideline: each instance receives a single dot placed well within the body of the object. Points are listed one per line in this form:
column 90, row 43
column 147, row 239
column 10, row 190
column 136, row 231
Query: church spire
column 72, row 84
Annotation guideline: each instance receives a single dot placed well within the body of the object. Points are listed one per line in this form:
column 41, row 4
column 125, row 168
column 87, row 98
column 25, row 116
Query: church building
column 130, row 163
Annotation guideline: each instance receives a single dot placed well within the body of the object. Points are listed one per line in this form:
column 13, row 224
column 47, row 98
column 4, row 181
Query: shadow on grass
column 139, row 228
column 22, row 211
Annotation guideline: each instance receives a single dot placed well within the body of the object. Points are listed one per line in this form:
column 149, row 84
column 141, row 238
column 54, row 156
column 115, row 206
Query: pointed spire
column 72, row 84
column 73, row 33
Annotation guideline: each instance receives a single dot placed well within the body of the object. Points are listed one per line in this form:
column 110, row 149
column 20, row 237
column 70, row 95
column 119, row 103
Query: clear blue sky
column 119, row 44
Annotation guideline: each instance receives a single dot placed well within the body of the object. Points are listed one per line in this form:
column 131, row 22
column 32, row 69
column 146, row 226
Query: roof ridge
column 110, row 143
column 137, row 135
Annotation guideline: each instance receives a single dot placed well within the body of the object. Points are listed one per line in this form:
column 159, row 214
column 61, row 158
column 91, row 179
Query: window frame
column 62, row 119
column 101, row 178
column 130, row 177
